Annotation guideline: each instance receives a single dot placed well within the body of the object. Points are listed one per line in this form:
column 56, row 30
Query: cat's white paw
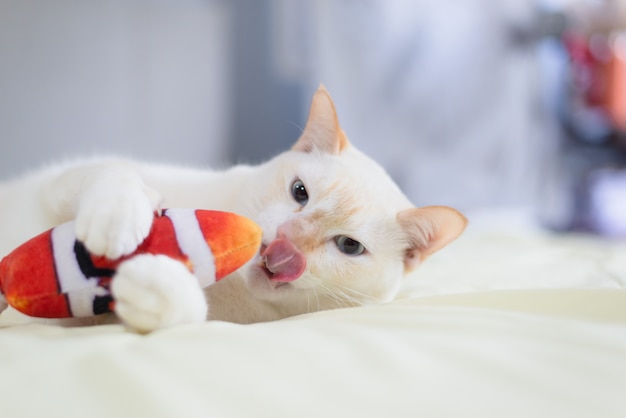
column 155, row 291
column 115, row 215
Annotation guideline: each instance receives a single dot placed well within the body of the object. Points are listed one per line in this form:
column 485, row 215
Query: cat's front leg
column 115, row 210
column 154, row 291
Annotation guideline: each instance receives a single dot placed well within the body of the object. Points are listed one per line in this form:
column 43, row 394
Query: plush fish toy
column 54, row 276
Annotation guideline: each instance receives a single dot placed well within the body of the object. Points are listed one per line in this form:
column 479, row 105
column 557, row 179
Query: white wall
column 137, row 77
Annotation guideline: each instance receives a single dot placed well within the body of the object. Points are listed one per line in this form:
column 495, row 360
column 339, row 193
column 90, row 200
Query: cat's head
column 337, row 230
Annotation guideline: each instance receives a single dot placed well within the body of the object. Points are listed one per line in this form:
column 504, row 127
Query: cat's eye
column 299, row 193
column 349, row 246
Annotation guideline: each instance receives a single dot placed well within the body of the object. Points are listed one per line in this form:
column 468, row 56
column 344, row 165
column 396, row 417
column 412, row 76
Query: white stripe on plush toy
column 81, row 290
column 193, row 244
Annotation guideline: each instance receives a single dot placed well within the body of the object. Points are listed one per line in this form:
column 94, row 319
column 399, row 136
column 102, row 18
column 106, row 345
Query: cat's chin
column 259, row 282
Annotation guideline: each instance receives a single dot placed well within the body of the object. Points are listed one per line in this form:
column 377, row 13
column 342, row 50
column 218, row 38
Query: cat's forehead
column 348, row 194
column 351, row 180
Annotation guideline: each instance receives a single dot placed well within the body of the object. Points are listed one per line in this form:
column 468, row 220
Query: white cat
column 337, row 231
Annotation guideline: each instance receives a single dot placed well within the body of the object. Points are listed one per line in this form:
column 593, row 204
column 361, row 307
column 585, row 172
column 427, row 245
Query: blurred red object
column 598, row 73
column 616, row 81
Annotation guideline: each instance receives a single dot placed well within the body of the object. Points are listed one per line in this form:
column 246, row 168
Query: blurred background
column 474, row 104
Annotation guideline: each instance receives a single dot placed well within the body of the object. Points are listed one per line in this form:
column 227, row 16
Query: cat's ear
column 322, row 131
column 429, row 229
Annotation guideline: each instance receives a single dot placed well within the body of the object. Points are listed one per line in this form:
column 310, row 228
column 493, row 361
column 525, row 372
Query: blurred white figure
column 441, row 93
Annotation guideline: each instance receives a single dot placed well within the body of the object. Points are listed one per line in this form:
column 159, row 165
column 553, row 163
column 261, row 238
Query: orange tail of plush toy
column 54, row 276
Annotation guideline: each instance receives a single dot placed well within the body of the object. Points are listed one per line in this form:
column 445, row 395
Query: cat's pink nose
column 283, row 260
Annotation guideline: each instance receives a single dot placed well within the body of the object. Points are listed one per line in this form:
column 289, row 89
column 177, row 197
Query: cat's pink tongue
column 283, row 259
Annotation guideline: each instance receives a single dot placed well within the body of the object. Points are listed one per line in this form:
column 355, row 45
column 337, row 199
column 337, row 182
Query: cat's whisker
column 344, row 296
column 297, row 126
column 308, row 301
column 313, row 300
column 317, row 301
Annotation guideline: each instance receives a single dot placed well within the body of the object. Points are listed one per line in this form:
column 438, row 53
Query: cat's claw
column 114, row 218
column 154, row 291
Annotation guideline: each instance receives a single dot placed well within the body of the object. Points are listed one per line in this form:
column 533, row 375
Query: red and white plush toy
column 54, row 276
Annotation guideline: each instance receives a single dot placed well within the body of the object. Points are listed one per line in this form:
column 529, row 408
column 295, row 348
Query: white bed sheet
column 515, row 324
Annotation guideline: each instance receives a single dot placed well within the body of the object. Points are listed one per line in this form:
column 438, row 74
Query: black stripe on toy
column 86, row 264
column 102, row 304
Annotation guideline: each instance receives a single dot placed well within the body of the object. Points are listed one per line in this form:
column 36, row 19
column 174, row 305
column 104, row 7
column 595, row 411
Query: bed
column 509, row 321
